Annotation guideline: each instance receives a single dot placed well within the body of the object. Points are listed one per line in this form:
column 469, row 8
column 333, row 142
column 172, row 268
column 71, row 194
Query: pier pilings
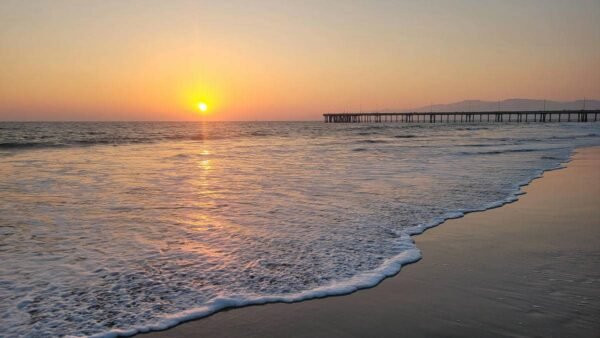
column 466, row 117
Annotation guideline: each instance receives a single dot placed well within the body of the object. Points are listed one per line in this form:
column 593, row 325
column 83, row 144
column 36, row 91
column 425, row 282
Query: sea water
column 118, row 228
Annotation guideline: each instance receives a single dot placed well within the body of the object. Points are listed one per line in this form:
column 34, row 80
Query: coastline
column 463, row 260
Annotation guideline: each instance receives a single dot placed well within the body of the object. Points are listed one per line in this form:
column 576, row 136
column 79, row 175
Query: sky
column 287, row 60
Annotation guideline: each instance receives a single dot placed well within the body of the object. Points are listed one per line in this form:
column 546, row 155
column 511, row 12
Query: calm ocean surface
column 112, row 228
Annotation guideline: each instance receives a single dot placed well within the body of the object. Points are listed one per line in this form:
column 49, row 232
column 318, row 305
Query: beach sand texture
column 527, row 269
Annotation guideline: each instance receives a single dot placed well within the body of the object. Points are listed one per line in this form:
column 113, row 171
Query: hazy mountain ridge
column 507, row 105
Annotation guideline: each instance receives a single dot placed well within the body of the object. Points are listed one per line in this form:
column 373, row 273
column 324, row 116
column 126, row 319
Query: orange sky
column 287, row 60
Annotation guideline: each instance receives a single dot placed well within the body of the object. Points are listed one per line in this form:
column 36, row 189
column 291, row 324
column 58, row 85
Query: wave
column 70, row 143
column 261, row 133
column 372, row 141
column 478, row 145
column 61, row 141
column 573, row 137
column 472, row 128
column 29, row 145
column 504, row 151
column 388, row 268
column 92, row 142
column 17, row 136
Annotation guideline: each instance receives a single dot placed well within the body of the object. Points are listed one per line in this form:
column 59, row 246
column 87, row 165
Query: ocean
column 119, row 228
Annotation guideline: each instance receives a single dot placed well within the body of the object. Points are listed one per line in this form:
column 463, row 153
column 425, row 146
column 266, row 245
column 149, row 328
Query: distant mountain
column 508, row 105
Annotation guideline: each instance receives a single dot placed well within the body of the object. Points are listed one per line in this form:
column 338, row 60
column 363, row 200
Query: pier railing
column 466, row 117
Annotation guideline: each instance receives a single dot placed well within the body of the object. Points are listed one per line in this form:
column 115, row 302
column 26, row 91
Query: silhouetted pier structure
column 466, row 117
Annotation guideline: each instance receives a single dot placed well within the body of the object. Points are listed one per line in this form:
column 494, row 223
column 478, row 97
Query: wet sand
column 527, row 269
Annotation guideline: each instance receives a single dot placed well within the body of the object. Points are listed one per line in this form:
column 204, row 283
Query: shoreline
column 258, row 323
column 390, row 268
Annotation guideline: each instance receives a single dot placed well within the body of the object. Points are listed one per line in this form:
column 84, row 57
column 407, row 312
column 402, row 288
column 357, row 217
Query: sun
column 202, row 106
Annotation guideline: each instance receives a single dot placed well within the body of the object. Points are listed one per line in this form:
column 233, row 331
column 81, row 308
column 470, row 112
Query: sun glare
column 202, row 106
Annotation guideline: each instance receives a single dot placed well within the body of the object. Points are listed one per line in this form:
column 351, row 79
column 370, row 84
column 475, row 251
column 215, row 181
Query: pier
column 466, row 117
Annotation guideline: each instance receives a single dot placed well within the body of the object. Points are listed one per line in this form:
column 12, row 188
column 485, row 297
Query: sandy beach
column 528, row 269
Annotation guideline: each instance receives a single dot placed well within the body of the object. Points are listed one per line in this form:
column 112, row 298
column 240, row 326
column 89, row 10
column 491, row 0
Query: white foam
column 366, row 280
